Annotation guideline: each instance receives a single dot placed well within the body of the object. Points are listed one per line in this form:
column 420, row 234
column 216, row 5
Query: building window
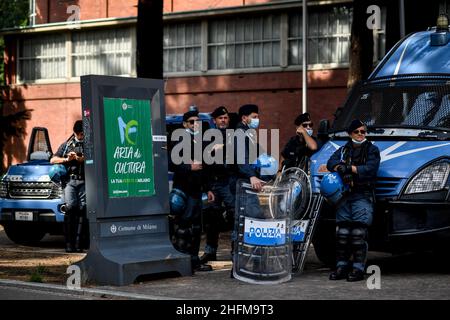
column 105, row 52
column 329, row 36
column 182, row 47
column 42, row 57
column 244, row 42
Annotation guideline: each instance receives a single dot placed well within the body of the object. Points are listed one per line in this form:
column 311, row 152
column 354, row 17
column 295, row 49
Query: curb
column 81, row 292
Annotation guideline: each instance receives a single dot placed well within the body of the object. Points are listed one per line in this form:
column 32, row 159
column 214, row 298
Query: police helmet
column 57, row 172
column 267, row 164
column 332, row 187
column 177, row 202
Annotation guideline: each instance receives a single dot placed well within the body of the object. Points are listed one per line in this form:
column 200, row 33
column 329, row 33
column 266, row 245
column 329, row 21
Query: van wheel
column 324, row 242
column 24, row 233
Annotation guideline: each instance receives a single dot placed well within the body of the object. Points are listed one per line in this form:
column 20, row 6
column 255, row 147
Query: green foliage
column 37, row 275
column 13, row 13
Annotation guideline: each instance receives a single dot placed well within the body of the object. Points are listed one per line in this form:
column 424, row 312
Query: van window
column 409, row 105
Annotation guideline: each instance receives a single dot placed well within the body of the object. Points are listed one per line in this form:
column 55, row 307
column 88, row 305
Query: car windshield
column 398, row 104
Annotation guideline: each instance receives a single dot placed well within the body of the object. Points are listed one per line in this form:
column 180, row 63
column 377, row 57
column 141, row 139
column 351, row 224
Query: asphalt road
column 408, row 276
column 11, row 293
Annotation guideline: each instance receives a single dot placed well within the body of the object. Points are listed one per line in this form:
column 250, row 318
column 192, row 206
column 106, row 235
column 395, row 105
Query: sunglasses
column 192, row 121
column 306, row 125
column 359, row 131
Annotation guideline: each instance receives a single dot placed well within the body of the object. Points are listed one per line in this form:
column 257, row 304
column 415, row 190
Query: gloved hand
column 348, row 179
column 344, row 169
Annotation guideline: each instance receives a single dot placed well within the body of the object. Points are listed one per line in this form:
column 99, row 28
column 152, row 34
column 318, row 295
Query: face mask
column 358, row 142
column 76, row 140
column 194, row 133
column 254, row 123
column 309, row 132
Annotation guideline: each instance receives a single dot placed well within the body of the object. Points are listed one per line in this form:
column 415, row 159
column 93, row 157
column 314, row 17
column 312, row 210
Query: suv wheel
column 324, row 242
column 25, row 234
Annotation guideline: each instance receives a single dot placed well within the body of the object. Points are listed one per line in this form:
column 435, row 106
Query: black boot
column 355, row 275
column 208, row 257
column 339, row 274
column 67, row 228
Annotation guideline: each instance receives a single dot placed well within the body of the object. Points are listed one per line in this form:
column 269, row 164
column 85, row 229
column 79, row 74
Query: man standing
column 190, row 180
column 223, row 186
column 301, row 146
column 357, row 162
column 249, row 117
column 71, row 155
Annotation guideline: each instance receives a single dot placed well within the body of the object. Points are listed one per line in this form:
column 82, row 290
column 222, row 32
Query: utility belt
column 76, row 177
column 220, row 177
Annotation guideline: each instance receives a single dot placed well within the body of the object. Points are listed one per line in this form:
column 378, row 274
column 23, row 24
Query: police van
column 406, row 105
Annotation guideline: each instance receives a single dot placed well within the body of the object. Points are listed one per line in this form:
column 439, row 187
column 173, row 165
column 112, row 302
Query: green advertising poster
column 129, row 154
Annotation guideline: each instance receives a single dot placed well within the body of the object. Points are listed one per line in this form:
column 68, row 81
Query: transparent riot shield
column 263, row 250
column 302, row 221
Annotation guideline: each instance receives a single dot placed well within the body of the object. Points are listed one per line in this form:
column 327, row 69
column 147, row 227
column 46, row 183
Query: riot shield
column 263, row 252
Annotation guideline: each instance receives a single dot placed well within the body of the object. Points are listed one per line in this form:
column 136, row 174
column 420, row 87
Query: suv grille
column 32, row 190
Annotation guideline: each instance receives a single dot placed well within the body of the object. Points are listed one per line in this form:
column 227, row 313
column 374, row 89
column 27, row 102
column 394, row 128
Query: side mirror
column 338, row 112
column 324, row 127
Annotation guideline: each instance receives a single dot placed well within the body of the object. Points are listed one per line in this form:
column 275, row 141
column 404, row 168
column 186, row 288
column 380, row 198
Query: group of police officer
column 356, row 164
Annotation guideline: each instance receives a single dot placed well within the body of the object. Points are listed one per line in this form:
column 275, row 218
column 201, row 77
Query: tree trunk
column 361, row 44
column 149, row 39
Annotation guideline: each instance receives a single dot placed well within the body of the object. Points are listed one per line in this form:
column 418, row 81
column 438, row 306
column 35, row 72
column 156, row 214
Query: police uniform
column 223, row 185
column 296, row 152
column 355, row 210
column 243, row 166
column 75, row 222
column 185, row 228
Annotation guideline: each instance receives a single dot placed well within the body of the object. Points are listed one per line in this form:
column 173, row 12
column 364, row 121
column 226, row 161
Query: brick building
column 216, row 52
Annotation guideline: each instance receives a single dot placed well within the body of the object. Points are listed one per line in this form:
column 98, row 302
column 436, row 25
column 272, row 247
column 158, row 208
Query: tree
column 361, row 44
column 149, row 35
column 12, row 13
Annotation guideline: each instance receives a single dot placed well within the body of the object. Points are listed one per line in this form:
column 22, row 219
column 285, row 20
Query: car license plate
column 24, row 215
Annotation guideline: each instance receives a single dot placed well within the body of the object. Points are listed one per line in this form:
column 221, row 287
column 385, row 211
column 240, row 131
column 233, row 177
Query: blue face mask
column 254, row 124
column 309, row 132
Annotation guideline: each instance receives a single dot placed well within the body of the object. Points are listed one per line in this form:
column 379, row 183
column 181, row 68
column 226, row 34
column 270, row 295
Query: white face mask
column 194, row 133
column 309, row 132
column 254, row 123
column 358, row 142
column 76, row 140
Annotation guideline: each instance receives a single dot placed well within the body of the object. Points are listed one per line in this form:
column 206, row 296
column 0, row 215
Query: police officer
column 249, row 122
column 71, row 155
column 357, row 163
column 191, row 180
column 301, row 146
column 223, row 186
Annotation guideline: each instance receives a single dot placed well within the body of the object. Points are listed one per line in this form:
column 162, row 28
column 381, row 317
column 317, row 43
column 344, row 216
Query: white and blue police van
column 405, row 103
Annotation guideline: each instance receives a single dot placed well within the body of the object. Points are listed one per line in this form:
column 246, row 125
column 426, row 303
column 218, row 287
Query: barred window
column 182, row 47
column 42, row 57
column 105, row 52
column 244, row 42
column 329, row 36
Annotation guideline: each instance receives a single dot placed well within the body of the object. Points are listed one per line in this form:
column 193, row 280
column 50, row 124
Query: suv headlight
column 3, row 189
column 431, row 178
